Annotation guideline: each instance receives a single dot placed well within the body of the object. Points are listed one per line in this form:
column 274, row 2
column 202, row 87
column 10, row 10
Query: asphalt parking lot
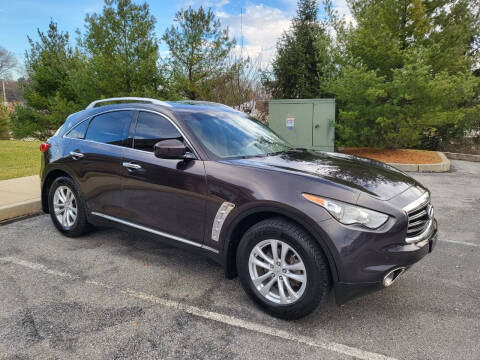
column 113, row 295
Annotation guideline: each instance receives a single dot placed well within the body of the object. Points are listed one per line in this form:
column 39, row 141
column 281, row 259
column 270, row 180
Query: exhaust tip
column 393, row 275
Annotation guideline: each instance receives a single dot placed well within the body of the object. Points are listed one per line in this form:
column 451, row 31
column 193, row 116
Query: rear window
column 110, row 128
column 78, row 132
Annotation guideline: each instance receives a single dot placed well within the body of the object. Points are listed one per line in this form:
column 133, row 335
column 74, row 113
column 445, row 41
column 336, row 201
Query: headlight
column 349, row 214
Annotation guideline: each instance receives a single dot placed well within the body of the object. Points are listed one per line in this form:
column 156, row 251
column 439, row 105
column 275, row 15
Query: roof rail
column 147, row 100
column 201, row 102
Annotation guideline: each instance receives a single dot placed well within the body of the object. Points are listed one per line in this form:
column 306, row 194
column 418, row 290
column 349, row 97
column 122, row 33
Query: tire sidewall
column 314, row 274
column 80, row 222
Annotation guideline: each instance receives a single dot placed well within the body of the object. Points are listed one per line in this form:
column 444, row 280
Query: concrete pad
column 19, row 190
column 405, row 167
column 19, row 197
column 23, row 208
column 465, row 157
column 430, row 168
column 444, row 166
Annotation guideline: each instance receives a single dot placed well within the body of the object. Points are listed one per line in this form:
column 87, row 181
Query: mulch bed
column 396, row 156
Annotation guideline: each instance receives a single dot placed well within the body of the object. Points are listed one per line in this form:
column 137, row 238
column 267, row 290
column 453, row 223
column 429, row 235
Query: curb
column 444, row 166
column 23, row 208
column 465, row 157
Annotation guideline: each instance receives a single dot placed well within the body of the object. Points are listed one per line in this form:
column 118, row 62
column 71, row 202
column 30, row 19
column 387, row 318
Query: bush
column 404, row 74
column 4, row 117
column 27, row 122
column 411, row 109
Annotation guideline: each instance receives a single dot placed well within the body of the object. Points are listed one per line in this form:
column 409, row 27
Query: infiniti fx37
column 291, row 223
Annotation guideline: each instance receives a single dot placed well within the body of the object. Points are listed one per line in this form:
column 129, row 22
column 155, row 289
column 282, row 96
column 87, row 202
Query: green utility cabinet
column 304, row 122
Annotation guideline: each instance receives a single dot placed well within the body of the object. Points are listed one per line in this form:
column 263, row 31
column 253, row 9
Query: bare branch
column 7, row 62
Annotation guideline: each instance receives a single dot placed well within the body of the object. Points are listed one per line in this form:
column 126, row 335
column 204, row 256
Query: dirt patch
column 397, row 156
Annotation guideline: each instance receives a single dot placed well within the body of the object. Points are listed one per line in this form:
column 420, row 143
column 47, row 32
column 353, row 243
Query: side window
column 110, row 128
column 151, row 128
column 78, row 132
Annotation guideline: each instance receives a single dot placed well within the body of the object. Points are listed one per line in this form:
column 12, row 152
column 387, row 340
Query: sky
column 262, row 21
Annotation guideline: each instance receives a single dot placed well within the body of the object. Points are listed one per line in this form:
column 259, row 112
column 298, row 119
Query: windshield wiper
column 288, row 151
column 293, row 150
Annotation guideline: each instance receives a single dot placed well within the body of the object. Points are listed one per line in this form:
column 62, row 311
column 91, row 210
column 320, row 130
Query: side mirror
column 171, row 149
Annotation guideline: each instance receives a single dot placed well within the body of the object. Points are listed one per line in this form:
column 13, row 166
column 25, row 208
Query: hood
column 369, row 176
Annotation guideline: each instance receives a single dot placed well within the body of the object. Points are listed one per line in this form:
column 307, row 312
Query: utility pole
column 4, row 94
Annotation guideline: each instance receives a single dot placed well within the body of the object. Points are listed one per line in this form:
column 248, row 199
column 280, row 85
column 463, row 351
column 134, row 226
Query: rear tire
column 67, row 208
column 291, row 284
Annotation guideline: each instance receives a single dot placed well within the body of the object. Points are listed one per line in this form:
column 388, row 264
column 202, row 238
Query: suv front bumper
column 398, row 257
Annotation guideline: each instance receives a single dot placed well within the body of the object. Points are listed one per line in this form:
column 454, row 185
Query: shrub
column 27, row 122
column 4, row 117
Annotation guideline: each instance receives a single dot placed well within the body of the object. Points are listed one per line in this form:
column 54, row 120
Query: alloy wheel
column 277, row 271
column 65, row 206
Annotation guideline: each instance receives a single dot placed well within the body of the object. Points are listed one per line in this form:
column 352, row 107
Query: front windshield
column 229, row 134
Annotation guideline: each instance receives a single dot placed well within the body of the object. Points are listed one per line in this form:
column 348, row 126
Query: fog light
column 390, row 278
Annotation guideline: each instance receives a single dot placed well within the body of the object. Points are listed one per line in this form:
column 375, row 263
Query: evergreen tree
column 122, row 50
column 49, row 95
column 4, row 118
column 406, row 70
column 199, row 47
column 48, row 64
column 302, row 62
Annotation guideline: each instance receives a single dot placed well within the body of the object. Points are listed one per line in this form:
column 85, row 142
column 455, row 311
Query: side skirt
column 155, row 232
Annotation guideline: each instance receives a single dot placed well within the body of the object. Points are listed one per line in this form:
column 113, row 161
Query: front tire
column 282, row 268
column 67, row 208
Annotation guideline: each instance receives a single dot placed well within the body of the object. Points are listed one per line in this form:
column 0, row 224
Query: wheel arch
column 243, row 221
column 48, row 181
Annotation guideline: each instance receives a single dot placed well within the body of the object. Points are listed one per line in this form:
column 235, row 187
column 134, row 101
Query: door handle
column 76, row 155
column 131, row 166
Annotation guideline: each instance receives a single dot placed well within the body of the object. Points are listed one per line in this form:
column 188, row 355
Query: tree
column 406, row 70
column 49, row 94
column 26, row 121
column 302, row 63
column 199, row 47
column 7, row 62
column 116, row 56
column 4, row 118
column 122, row 50
column 239, row 84
column 48, row 63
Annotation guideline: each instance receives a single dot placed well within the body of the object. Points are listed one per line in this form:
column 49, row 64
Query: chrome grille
column 420, row 218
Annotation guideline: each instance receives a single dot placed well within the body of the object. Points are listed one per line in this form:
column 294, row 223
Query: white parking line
column 460, row 243
column 210, row 315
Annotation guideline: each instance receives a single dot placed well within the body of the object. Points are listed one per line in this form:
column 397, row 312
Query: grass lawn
column 19, row 158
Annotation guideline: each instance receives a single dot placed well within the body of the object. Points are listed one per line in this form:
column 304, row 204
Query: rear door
column 164, row 195
column 95, row 153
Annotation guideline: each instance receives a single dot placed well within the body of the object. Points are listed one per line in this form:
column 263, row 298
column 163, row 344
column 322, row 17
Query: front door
column 165, row 195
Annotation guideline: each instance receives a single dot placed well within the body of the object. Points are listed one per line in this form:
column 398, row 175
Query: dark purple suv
column 291, row 223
